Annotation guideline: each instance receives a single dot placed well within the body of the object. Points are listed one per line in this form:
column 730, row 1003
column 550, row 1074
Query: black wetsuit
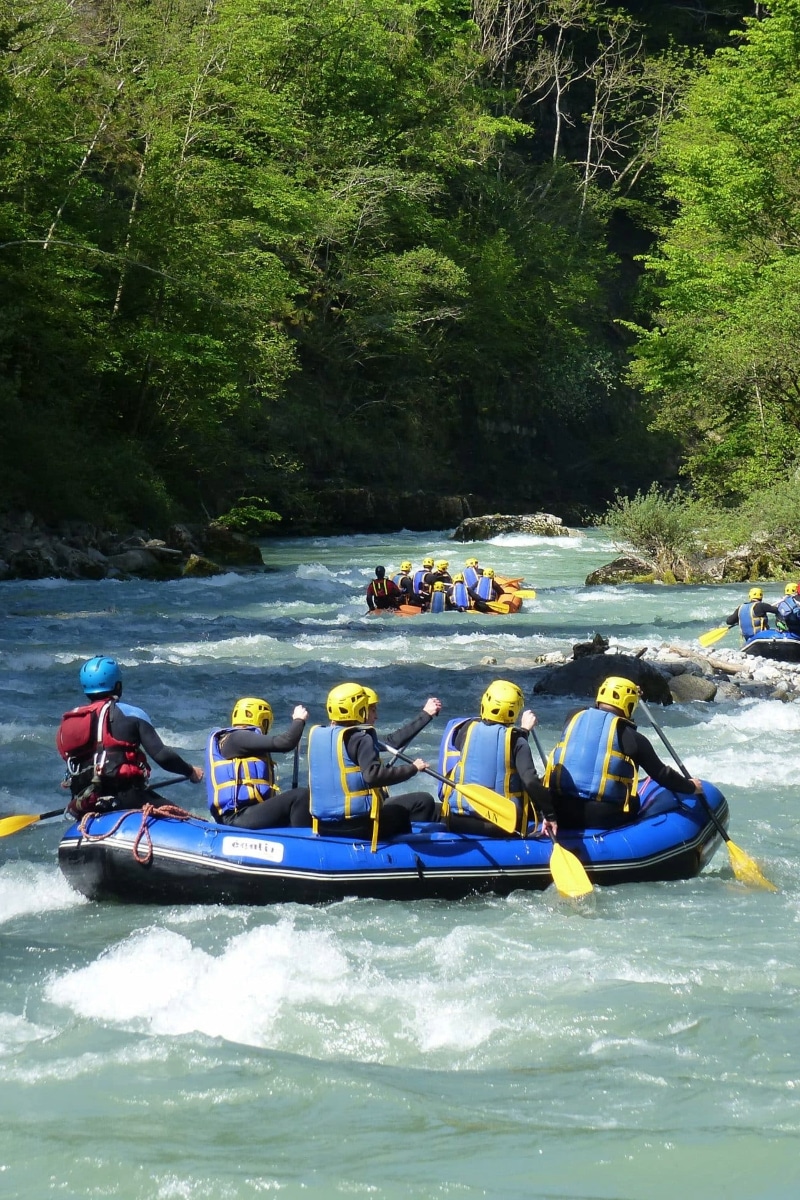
column 284, row 808
column 760, row 609
column 573, row 812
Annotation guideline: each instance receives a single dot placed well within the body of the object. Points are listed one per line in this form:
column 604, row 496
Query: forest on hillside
column 540, row 251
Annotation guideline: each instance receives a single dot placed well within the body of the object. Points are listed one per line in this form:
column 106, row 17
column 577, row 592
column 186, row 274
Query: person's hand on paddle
column 550, row 828
column 420, row 764
column 432, row 706
column 197, row 775
column 528, row 720
column 300, row 713
column 698, row 785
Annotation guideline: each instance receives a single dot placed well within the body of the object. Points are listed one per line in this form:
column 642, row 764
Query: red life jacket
column 85, row 740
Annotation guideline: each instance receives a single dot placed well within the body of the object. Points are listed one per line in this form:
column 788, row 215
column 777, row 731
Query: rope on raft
column 149, row 812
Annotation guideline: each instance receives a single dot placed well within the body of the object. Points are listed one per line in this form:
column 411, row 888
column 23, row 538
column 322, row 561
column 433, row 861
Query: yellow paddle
column 490, row 805
column 9, row 825
column 744, row 867
column 714, row 635
column 526, row 593
column 569, row 873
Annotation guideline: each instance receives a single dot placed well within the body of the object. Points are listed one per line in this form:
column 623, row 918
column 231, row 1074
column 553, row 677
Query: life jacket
column 380, row 587
column 236, row 783
column 438, row 600
column 589, row 763
column 484, row 587
column 449, row 755
column 460, row 595
column 471, row 576
column 96, row 760
column 789, row 608
column 417, row 581
column 337, row 787
column 403, row 580
column 748, row 623
column 486, row 759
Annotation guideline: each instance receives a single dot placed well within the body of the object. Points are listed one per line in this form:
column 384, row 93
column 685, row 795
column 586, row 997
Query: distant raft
column 510, row 601
column 147, row 858
column 773, row 643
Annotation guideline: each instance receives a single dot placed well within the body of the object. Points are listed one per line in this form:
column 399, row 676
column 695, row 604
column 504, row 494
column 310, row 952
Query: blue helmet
column 100, row 676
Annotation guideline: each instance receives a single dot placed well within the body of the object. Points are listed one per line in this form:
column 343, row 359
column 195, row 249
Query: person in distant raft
column 789, row 610
column 105, row 743
column 241, row 782
column 382, row 592
column 345, row 772
column 752, row 616
column 593, row 771
column 405, row 581
column 423, row 582
column 494, row 752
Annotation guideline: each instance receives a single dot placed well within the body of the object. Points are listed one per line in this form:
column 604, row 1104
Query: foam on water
column 27, row 888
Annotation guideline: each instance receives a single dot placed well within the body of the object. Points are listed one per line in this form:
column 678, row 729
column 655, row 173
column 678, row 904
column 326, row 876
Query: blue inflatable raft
column 134, row 857
column 774, row 643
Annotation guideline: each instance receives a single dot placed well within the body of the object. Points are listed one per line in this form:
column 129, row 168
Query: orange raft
column 507, row 602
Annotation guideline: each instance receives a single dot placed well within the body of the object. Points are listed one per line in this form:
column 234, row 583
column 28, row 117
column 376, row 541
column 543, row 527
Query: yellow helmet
column 459, row 578
column 755, row 594
column 442, row 564
column 372, row 696
column 438, row 586
column 471, row 562
column 502, row 702
column 619, row 693
column 347, row 702
column 488, row 571
column 405, row 565
column 427, row 562
column 790, row 589
column 251, row 711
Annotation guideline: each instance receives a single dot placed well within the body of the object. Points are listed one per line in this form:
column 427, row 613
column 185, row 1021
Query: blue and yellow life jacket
column 484, row 588
column 589, row 763
column 471, row 576
column 748, row 623
column 789, row 609
column 449, row 755
column 338, row 790
column 486, row 759
column 417, row 581
column 438, row 600
column 460, row 595
column 235, row 783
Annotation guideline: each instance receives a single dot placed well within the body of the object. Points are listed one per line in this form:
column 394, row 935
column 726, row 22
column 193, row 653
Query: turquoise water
column 644, row 1046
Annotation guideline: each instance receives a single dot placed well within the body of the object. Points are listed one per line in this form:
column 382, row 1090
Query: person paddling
column 241, row 781
column 593, row 771
column 382, row 592
column 752, row 616
column 105, row 744
column 789, row 610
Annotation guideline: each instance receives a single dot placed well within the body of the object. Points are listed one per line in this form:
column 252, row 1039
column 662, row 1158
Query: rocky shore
column 75, row 550
column 668, row 673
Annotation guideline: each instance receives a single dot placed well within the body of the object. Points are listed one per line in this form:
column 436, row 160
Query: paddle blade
column 490, row 805
column 714, row 635
column 526, row 593
column 746, row 869
column 9, row 825
column 569, row 874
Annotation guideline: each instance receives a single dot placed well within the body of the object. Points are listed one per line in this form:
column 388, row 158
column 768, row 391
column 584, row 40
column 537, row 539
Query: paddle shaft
column 407, row 758
column 714, row 818
column 539, row 747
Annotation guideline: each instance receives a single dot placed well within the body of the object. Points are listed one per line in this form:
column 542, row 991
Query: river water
column 642, row 1047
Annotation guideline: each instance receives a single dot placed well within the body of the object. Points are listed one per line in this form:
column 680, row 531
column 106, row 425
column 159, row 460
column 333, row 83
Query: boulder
column 583, row 676
column 628, row 568
column 691, row 687
column 135, row 562
column 481, row 529
column 201, row 567
column 224, row 545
